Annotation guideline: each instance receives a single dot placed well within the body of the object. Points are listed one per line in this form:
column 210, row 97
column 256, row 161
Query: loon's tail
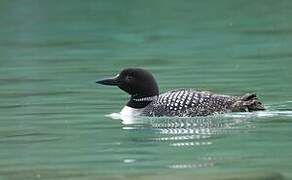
column 251, row 102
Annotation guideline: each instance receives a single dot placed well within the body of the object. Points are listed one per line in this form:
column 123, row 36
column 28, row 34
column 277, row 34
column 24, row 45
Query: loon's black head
column 139, row 83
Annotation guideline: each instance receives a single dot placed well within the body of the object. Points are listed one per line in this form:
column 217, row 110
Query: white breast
column 131, row 112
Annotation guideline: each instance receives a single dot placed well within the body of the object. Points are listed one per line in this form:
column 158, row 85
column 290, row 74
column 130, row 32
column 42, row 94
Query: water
column 53, row 122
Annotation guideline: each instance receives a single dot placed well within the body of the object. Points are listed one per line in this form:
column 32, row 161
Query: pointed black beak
column 110, row 82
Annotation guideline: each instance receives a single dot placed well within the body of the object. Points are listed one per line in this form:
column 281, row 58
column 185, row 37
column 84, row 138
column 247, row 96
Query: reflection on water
column 197, row 132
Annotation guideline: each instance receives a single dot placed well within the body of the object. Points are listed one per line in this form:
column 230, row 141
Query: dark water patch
column 146, row 62
column 63, row 113
column 27, row 141
column 284, row 109
column 268, row 56
column 61, row 62
column 96, row 126
column 11, row 106
column 267, row 31
column 15, row 80
column 41, row 173
column 47, row 44
column 82, row 105
column 28, row 94
column 158, row 37
column 27, row 138
column 26, row 134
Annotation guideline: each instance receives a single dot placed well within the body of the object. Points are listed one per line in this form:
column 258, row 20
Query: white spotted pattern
column 188, row 102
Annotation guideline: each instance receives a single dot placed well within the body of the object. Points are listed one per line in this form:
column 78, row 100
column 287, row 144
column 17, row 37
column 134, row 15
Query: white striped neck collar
column 149, row 98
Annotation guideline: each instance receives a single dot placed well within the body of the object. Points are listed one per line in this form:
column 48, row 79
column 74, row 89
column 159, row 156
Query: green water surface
column 53, row 122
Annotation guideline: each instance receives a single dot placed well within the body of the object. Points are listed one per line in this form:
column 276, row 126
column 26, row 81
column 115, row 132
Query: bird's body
column 146, row 101
column 188, row 102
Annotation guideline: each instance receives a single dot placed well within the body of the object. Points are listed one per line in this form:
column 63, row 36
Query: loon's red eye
column 129, row 78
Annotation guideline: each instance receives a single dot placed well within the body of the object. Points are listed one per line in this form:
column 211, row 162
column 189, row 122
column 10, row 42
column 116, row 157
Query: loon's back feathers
column 189, row 102
column 145, row 99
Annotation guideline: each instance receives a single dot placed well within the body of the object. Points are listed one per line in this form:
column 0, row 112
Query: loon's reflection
column 185, row 130
column 168, row 137
column 191, row 125
column 196, row 140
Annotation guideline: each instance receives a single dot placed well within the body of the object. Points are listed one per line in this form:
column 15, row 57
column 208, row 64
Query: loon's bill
column 145, row 99
column 109, row 82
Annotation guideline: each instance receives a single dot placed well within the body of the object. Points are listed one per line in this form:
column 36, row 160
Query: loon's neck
column 139, row 102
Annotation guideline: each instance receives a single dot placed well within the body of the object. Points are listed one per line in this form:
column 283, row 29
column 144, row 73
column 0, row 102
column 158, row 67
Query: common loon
column 146, row 101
